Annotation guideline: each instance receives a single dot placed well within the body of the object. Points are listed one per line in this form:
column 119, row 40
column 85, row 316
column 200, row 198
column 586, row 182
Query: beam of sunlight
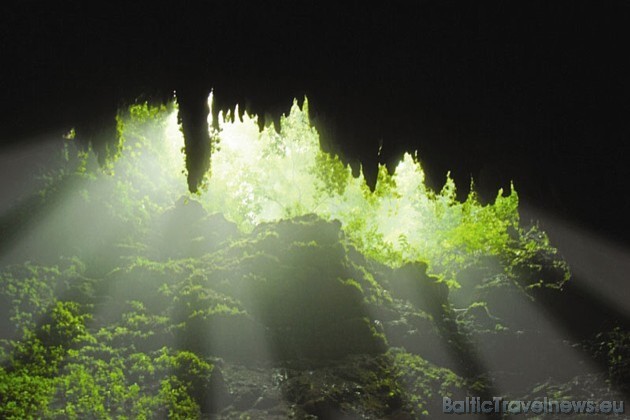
column 600, row 265
column 18, row 166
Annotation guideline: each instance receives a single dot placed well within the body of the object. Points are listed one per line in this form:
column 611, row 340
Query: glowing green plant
column 266, row 175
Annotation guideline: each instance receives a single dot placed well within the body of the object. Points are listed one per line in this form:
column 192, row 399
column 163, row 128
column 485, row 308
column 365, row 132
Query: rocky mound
column 286, row 321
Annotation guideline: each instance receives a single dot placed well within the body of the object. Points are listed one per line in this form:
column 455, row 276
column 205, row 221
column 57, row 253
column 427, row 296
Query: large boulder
column 186, row 230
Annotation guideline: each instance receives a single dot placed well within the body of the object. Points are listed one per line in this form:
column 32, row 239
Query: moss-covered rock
column 289, row 320
column 186, row 230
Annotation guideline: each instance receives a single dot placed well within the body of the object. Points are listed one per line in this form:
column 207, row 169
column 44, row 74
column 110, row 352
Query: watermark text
column 475, row 405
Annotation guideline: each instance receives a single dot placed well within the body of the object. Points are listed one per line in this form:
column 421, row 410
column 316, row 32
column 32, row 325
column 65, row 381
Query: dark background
column 530, row 91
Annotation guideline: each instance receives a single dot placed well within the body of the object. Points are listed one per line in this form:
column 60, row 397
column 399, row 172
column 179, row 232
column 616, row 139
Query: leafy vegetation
column 146, row 302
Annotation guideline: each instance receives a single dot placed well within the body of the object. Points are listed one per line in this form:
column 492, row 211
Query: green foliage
column 26, row 292
column 42, row 351
column 139, row 330
column 126, row 329
column 614, row 348
column 63, row 325
column 24, row 396
column 332, row 173
column 425, row 384
column 262, row 176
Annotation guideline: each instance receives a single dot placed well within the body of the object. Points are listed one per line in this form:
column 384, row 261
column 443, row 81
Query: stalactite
column 193, row 116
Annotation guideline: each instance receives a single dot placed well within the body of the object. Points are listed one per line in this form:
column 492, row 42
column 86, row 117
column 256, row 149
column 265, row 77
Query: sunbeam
column 599, row 265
